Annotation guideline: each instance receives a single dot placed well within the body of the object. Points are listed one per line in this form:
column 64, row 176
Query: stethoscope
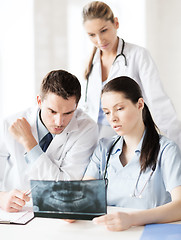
column 139, row 194
column 134, row 194
column 125, row 62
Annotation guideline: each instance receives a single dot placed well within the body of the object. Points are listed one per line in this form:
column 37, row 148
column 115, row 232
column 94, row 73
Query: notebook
column 21, row 217
column 69, row 199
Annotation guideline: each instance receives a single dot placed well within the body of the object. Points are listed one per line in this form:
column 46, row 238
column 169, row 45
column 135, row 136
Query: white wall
column 163, row 38
column 50, row 27
column 16, row 55
column 49, row 35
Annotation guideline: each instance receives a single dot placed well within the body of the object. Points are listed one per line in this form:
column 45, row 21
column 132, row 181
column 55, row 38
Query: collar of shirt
column 96, row 58
column 119, row 146
column 138, row 148
column 120, row 45
column 73, row 125
column 41, row 129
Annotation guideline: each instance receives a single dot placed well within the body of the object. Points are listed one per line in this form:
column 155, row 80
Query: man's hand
column 13, row 201
column 69, row 220
column 21, row 131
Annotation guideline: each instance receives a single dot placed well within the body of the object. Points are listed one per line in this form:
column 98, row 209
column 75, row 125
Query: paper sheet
column 21, row 217
column 161, row 231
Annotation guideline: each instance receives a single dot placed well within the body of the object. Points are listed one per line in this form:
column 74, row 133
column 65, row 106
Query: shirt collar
column 41, row 129
column 73, row 124
column 97, row 54
column 119, row 145
column 138, row 148
column 120, row 45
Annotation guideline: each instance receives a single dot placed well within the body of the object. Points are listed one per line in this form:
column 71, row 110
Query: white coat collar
column 73, row 124
column 98, row 52
column 96, row 58
column 120, row 45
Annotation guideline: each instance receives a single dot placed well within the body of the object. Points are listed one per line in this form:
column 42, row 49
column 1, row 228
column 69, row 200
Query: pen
column 5, row 221
column 29, row 191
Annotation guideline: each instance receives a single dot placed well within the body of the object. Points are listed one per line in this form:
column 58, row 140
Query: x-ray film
column 69, row 199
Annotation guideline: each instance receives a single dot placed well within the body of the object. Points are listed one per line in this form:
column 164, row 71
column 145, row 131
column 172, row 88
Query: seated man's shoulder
column 29, row 112
column 84, row 118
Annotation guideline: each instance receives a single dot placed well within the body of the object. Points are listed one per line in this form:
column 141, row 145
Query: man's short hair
column 62, row 83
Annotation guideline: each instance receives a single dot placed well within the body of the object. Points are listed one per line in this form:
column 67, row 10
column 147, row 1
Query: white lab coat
column 66, row 157
column 143, row 70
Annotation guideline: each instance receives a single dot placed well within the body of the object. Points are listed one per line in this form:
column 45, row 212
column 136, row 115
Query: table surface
column 56, row 229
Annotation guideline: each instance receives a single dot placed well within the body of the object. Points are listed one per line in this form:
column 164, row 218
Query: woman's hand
column 118, row 221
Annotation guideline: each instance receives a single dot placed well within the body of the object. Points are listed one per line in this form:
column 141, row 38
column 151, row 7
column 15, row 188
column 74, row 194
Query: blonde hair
column 92, row 10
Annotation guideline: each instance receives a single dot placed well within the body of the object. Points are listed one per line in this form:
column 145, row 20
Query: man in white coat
column 50, row 142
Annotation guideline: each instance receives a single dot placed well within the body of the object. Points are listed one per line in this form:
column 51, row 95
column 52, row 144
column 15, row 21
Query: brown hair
column 62, row 83
column 151, row 145
column 95, row 9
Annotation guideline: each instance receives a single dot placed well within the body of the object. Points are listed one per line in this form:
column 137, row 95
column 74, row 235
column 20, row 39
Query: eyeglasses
column 139, row 195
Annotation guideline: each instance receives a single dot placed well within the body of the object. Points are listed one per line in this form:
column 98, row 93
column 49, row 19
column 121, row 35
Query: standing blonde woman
column 113, row 57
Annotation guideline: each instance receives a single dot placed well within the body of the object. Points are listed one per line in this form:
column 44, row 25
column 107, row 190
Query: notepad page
column 11, row 217
column 22, row 217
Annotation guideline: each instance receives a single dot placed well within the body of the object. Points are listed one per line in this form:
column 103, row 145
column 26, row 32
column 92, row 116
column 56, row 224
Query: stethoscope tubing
column 120, row 54
column 139, row 195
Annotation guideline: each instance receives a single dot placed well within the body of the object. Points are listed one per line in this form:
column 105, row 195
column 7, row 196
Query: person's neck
column 132, row 140
column 112, row 53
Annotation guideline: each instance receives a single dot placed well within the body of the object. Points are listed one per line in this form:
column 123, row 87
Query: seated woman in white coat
column 111, row 58
column 144, row 168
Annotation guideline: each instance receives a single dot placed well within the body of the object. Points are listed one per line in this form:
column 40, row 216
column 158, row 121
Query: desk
column 57, row 229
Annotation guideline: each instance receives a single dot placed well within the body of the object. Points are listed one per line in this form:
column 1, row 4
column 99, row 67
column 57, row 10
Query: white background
column 41, row 35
